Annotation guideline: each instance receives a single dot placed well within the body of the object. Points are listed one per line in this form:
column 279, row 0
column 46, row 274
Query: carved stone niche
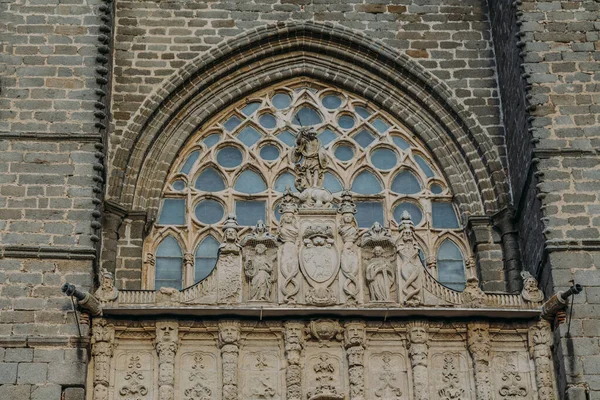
column 378, row 262
column 319, row 257
column 260, row 261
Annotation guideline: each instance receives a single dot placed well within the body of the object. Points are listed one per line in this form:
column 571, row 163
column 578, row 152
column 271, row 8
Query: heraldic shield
column 319, row 258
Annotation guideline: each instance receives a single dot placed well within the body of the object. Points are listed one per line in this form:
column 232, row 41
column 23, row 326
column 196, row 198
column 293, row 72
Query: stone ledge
column 44, row 341
column 79, row 137
column 49, row 252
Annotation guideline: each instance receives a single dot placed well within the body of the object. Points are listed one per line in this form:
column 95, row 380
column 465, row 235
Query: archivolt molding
column 334, row 55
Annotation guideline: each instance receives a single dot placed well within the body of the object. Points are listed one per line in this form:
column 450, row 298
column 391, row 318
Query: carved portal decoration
column 326, row 374
column 478, row 343
column 452, row 387
column 418, row 352
column 385, row 374
column 381, row 276
column 167, row 342
column 288, row 234
column 354, row 341
column 540, row 342
column 199, row 384
column 512, row 384
column 294, row 346
column 103, row 336
column 411, row 267
column 229, row 335
column 530, row 291
column 349, row 259
column 324, row 331
column 319, row 262
column 134, row 381
column 260, row 370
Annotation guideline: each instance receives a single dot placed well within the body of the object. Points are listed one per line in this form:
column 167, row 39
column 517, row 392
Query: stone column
column 478, row 342
column 229, row 335
column 188, row 268
column 354, row 341
column 294, row 346
column 103, row 337
column 167, row 341
column 418, row 352
column 504, row 221
column 540, row 342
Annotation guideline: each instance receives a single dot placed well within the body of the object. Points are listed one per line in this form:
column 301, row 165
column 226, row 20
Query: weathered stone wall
column 558, row 44
column 48, row 187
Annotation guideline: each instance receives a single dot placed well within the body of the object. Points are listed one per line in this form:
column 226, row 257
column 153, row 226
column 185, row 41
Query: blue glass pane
column 326, row 137
column 287, row 138
column 285, row 179
column 210, row 181
column 179, row 185
column 269, row 152
column 206, row 258
column 346, row 122
column 248, row 136
column 189, row 163
column 398, row 141
column 406, row 183
column 415, row 212
column 249, row 212
column 169, row 247
column 443, row 216
column 450, row 264
column 384, row 158
column 250, row 182
column 368, row 212
column 267, row 121
column 344, row 153
column 250, row 108
column 424, row 166
column 229, row 157
column 172, row 212
column 331, row 183
column 168, row 264
column 332, row 101
column 364, row 138
column 281, row 101
column 380, row 125
column 209, row 211
column 211, row 140
column 306, row 116
column 436, row 189
column 232, row 123
column 366, row 183
column 363, row 112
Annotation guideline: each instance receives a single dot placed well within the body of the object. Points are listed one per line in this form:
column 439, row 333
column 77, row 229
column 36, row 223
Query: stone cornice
column 64, row 136
column 48, row 252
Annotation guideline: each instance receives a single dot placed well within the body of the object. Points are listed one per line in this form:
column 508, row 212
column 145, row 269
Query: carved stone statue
column 478, row 343
column 410, row 263
column 310, row 160
column 288, row 234
column 229, row 334
column 381, row 276
column 230, row 232
column 376, row 235
column 107, row 290
column 530, row 288
column 349, row 258
column 418, row 352
column 259, row 271
column 473, row 296
column 294, row 345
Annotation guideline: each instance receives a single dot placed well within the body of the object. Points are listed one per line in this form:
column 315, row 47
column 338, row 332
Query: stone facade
column 509, row 87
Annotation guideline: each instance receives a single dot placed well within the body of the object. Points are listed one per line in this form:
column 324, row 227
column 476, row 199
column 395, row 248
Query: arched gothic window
column 240, row 163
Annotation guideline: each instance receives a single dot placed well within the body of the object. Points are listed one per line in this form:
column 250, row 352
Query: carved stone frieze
column 103, row 336
column 540, row 342
column 167, row 342
column 418, row 352
column 478, row 343
column 294, row 346
column 229, row 335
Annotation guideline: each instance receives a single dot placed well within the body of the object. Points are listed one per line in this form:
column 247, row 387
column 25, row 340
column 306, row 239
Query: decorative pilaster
column 229, row 335
column 103, row 336
column 167, row 341
column 478, row 342
column 354, row 341
column 294, row 346
column 540, row 342
column 418, row 351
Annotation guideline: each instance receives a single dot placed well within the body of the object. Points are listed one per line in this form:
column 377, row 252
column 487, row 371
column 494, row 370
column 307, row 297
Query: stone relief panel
column 512, row 376
column 450, row 374
column 135, row 375
column 199, row 378
column 325, row 375
column 261, row 376
column 388, row 377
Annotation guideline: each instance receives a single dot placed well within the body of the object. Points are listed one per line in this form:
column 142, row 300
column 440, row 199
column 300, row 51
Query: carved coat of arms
column 319, row 258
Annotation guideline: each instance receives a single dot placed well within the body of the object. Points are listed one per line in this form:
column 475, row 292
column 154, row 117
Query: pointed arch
column 333, row 54
column 169, row 264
